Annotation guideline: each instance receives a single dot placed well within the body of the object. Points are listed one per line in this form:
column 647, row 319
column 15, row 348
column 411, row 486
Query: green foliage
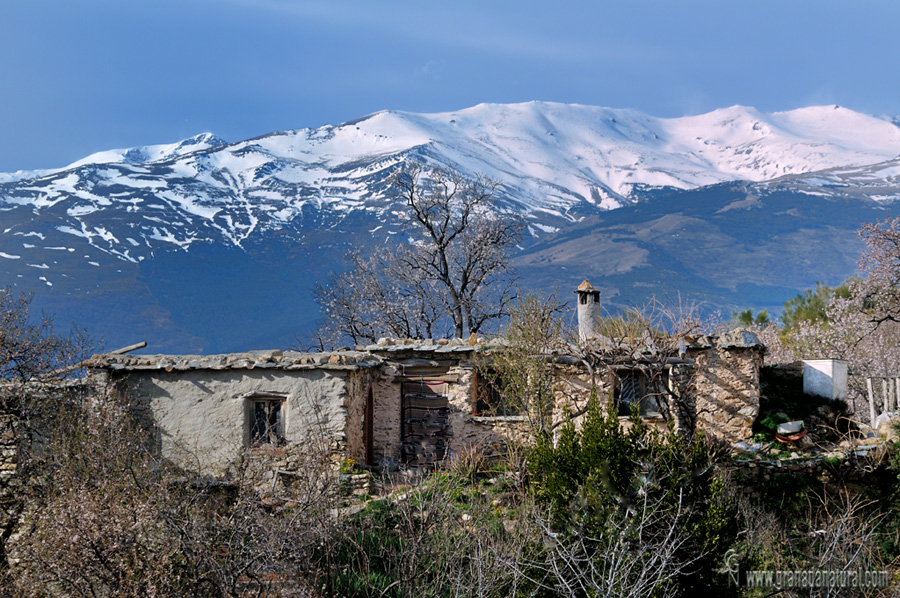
column 432, row 540
column 372, row 532
column 811, row 305
column 601, row 477
column 785, row 493
column 767, row 424
column 747, row 319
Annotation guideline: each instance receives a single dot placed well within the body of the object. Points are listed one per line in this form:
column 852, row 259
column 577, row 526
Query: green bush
column 592, row 476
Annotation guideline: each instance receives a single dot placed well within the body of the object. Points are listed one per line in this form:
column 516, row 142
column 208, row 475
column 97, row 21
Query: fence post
column 871, row 401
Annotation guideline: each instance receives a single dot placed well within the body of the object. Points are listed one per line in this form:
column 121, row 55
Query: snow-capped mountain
column 123, row 214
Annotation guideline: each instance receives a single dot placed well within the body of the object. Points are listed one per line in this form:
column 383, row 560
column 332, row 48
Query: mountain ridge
column 286, row 204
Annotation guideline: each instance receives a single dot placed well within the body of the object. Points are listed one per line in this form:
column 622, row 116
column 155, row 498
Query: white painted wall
column 203, row 416
column 825, row 378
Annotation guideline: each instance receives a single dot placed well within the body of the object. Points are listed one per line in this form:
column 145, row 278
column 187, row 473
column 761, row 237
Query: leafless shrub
column 634, row 553
column 108, row 517
column 468, row 462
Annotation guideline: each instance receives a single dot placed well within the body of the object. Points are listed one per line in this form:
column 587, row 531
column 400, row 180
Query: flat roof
column 274, row 359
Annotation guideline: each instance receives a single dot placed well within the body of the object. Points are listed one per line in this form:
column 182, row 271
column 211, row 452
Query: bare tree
column 377, row 297
column 861, row 324
column 452, row 277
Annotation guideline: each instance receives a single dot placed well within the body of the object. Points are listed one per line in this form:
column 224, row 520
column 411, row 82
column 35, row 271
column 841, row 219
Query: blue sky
column 79, row 77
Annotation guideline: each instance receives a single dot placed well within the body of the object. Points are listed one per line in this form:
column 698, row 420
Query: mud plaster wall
column 202, row 417
column 726, row 384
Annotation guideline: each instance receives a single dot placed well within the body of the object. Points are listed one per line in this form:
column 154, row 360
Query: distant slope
column 722, row 247
column 204, row 245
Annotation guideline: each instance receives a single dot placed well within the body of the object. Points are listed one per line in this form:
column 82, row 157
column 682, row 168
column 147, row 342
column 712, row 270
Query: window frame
column 267, row 400
column 485, row 392
column 652, row 386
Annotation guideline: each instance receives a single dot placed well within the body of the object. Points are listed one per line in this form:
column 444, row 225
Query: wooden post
column 897, row 394
column 871, row 401
column 888, row 395
column 884, row 392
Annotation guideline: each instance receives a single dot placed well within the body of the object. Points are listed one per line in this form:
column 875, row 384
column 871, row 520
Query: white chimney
column 589, row 318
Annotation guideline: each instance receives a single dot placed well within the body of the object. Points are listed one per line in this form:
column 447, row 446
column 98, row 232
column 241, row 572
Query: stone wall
column 726, row 386
column 202, row 418
column 10, row 499
column 386, row 424
column 490, row 434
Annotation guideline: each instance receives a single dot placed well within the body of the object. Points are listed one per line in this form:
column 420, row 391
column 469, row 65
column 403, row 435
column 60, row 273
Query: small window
column 642, row 388
column 490, row 400
column 266, row 419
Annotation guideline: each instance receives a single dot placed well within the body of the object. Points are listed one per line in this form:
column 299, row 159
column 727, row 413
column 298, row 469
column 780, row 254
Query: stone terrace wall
column 490, row 434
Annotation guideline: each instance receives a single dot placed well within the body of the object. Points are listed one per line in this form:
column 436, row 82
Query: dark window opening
column 266, row 422
column 491, row 396
column 584, row 297
column 642, row 388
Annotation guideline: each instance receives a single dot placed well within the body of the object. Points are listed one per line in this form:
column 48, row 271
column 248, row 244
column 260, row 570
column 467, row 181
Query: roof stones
column 739, row 338
column 287, row 360
column 374, row 355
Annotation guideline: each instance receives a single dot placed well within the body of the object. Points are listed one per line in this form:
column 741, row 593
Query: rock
column 884, row 424
column 466, row 517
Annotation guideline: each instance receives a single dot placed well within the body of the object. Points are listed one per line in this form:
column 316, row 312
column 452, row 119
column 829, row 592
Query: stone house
column 412, row 403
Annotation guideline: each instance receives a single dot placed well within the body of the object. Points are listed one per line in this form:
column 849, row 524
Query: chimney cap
column 586, row 287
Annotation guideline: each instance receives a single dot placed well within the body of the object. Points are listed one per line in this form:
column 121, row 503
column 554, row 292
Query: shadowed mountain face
column 724, row 247
column 204, row 246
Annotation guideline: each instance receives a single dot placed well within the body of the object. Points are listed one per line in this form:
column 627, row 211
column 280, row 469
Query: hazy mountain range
column 205, row 245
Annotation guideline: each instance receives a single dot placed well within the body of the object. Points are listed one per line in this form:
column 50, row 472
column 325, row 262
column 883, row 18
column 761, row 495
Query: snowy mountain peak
column 557, row 163
column 150, row 153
